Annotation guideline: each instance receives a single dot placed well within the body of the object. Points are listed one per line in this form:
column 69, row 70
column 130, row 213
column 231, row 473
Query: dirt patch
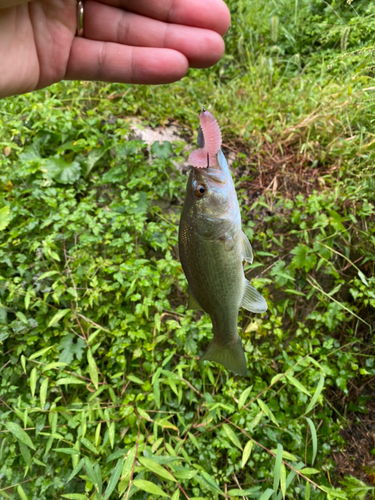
column 357, row 458
column 280, row 167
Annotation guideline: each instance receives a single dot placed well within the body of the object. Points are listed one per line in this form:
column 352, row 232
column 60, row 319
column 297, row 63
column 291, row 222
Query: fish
column 212, row 248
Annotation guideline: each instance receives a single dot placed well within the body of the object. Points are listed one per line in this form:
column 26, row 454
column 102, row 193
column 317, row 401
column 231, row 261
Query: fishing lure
column 209, row 142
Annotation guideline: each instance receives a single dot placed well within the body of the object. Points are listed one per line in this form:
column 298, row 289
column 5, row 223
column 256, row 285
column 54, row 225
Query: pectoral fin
column 252, row 300
column 246, row 250
column 193, row 303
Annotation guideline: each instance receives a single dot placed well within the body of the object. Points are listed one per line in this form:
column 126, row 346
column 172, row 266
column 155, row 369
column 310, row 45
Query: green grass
column 101, row 394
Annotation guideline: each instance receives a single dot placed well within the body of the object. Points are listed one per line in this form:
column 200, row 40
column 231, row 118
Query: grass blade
column 246, row 452
column 113, row 479
column 283, row 479
column 266, row 495
column 232, row 436
column 314, row 439
column 277, row 469
column 243, row 397
column 317, row 392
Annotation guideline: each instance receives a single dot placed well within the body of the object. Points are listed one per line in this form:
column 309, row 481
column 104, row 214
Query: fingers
column 207, row 14
column 202, row 47
column 111, row 62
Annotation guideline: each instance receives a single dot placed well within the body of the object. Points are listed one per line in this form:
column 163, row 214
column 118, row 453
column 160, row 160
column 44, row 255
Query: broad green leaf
column 23, row 415
column 67, row 451
column 92, row 158
column 22, row 317
column 303, row 258
column 92, row 474
column 59, row 315
column 93, row 369
column 286, row 455
column 308, row 470
column 76, row 469
column 194, row 440
column 23, row 363
column 277, row 377
column 256, row 420
column 116, row 454
column 247, row 493
column 243, row 397
column 144, row 414
column 38, row 462
column 184, row 473
column 60, row 170
column 246, row 452
column 156, row 468
column 165, row 424
column 113, row 480
column 161, row 149
column 292, row 474
column 20, row 434
column 315, row 362
column 176, row 495
column 232, row 435
column 267, row 411
column 298, row 385
column 69, row 381
column 89, row 445
column 210, row 481
column 25, row 452
column 156, row 375
column 128, row 464
column 4, row 217
column 55, row 364
column 21, row 492
column 40, row 353
column 362, row 277
column 316, row 395
column 135, row 379
column 48, row 274
column 149, row 487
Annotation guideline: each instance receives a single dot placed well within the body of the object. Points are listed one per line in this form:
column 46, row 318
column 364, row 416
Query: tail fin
column 230, row 355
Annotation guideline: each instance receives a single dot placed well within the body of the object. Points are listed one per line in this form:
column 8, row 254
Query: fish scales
column 212, row 248
column 211, row 286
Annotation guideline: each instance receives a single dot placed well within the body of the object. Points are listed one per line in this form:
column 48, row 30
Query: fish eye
column 200, row 190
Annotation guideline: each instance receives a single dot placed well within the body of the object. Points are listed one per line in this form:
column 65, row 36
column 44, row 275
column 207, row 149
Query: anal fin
column 193, row 303
column 252, row 300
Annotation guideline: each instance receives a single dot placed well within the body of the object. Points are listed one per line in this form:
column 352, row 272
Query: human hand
column 125, row 41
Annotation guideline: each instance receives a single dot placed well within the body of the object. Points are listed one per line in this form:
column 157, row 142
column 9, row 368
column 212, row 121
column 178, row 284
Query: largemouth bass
column 212, row 248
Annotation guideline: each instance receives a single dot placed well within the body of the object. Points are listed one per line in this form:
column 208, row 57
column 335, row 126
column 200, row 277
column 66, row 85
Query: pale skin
column 125, row 41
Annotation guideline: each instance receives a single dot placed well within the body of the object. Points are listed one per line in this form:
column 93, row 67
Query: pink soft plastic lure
column 205, row 155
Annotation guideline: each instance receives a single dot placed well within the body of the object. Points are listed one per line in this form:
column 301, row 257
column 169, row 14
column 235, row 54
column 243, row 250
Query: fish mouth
column 210, row 174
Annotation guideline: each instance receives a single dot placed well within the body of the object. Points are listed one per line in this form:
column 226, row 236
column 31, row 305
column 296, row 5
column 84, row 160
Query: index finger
column 208, row 14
